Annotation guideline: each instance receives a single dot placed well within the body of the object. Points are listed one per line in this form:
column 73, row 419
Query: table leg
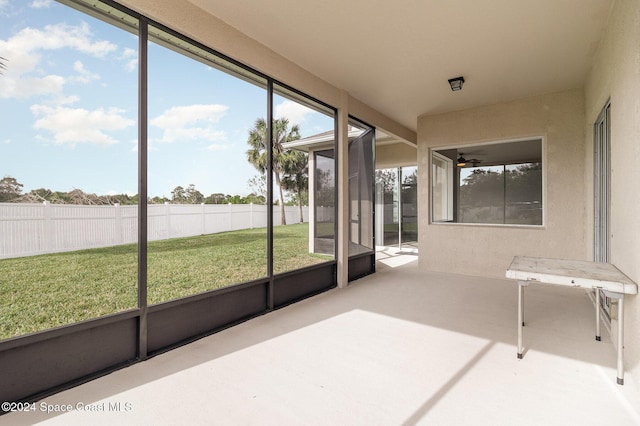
column 520, row 317
column 597, row 314
column 620, row 340
column 522, row 304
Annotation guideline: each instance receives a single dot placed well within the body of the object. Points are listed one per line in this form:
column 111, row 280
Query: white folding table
column 574, row 273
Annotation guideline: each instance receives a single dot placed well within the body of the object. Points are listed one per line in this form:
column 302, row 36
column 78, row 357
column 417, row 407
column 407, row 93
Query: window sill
column 489, row 225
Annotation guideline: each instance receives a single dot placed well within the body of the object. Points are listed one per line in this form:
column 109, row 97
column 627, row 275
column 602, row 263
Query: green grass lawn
column 41, row 292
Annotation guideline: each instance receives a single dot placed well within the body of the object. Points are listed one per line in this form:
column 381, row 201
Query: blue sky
column 68, row 102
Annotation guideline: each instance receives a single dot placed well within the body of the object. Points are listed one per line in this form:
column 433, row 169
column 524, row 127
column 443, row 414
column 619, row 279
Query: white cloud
column 66, row 100
column 84, row 75
column 58, row 36
column 72, row 126
column 130, row 56
column 26, row 87
column 296, row 113
column 192, row 122
column 3, row 6
column 41, row 4
column 6, row 141
column 23, row 51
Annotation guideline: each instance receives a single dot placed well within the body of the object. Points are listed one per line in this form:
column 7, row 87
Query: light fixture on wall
column 456, row 83
column 462, row 161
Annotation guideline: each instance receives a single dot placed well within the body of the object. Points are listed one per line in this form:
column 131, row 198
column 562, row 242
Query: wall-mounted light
column 456, row 83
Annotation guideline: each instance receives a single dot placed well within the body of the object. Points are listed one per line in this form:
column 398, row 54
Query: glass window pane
column 409, row 204
column 206, row 199
column 442, row 188
column 303, row 182
column 388, row 211
column 68, row 168
column 481, row 195
column 523, row 194
column 396, row 206
column 496, row 183
column 323, row 202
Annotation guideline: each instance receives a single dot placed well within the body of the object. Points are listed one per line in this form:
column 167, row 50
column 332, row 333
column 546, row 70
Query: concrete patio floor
column 400, row 347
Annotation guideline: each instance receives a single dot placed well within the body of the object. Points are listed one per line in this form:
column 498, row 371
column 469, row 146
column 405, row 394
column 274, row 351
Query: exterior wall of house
column 615, row 75
column 395, row 155
column 485, row 250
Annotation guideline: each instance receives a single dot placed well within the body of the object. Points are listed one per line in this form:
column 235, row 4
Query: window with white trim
column 495, row 183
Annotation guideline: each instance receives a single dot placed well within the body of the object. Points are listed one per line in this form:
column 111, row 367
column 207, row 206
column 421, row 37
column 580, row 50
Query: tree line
column 290, row 171
column 11, row 192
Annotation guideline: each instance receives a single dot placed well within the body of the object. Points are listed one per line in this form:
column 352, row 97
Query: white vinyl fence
column 30, row 229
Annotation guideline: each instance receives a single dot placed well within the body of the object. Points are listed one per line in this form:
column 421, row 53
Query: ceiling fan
column 463, row 162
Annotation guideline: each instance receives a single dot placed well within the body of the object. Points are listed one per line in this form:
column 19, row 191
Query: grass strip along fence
column 41, row 292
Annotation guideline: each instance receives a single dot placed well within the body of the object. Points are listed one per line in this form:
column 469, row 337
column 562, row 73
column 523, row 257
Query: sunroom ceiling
column 397, row 55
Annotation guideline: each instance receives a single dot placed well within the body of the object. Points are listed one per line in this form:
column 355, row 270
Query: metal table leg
column 522, row 305
column 620, row 361
column 620, row 339
column 521, row 286
column 597, row 292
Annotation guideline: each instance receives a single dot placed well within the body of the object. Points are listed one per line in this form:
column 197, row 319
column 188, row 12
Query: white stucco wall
column 395, row 155
column 615, row 75
column 487, row 250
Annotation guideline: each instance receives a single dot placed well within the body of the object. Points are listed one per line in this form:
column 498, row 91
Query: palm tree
column 257, row 153
column 296, row 175
column 3, row 66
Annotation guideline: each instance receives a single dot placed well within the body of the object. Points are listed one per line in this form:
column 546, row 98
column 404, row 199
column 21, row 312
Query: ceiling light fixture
column 462, row 161
column 456, row 83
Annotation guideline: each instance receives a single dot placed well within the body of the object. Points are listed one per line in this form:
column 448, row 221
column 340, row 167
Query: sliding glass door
column 602, row 173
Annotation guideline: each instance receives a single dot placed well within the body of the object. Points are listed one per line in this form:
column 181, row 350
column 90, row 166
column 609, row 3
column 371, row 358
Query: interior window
column 497, row 183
